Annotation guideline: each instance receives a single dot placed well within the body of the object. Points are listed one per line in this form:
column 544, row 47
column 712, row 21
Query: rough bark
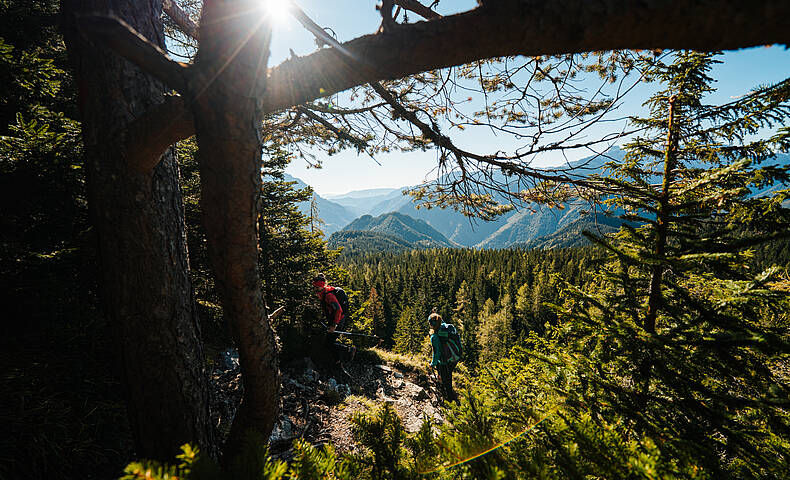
column 232, row 60
column 139, row 220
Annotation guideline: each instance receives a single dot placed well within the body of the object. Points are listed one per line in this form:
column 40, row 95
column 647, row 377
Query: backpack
column 451, row 341
column 342, row 299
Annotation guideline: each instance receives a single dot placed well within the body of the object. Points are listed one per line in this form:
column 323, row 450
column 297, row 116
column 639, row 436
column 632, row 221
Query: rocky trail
column 317, row 403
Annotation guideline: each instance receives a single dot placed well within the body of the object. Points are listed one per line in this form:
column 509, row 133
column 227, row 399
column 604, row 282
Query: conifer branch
column 339, row 132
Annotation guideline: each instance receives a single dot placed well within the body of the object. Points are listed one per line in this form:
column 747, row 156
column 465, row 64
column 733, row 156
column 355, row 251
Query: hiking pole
column 356, row 334
column 361, row 335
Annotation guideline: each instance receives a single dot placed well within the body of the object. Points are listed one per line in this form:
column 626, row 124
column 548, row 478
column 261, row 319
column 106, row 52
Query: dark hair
column 434, row 317
column 319, row 278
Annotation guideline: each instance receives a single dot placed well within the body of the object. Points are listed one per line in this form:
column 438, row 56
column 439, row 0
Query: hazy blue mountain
column 334, row 215
column 358, row 194
column 359, row 202
column 415, row 232
column 389, row 203
column 539, row 227
column 518, row 226
column 571, row 234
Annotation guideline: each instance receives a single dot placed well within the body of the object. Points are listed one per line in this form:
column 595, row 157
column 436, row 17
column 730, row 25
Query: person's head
column 319, row 283
column 434, row 320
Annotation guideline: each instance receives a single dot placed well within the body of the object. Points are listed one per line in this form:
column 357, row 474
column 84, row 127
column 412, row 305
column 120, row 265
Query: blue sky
column 741, row 71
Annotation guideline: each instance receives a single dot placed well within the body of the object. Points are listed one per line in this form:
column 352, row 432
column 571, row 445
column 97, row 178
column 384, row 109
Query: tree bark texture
column 139, row 220
column 227, row 88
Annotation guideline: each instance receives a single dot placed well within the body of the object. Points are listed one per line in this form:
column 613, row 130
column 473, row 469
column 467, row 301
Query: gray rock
column 383, row 367
column 310, row 376
column 344, row 390
column 282, row 431
column 297, row 384
column 228, row 359
column 397, row 374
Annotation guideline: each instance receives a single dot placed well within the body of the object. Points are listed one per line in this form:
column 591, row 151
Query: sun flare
column 277, row 11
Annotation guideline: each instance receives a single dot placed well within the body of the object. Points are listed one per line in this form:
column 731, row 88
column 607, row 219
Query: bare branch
column 418, row 8
column 341, row 134
column 528, row 27
column 180, row 18
column 124, row 40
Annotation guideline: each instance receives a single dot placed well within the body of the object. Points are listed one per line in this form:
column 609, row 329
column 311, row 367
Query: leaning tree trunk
column 139, row 220
column 231, row 66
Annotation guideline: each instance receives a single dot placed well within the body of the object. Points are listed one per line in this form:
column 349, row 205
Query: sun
column 277, row 11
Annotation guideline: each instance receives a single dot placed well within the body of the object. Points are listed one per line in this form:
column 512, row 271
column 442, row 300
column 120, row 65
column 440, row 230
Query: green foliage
column 383, row 435
column 410, row 332
column 494, row 334
column 459, row 282
column 62, row 411
column 680, row 342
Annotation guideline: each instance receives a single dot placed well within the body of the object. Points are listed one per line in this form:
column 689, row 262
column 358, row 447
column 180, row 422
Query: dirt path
column 317, row 404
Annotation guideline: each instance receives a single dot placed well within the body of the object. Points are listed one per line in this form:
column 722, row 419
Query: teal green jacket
column 437, row 339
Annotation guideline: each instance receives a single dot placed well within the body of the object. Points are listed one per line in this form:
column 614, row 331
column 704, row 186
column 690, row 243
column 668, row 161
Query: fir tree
column 681, row 341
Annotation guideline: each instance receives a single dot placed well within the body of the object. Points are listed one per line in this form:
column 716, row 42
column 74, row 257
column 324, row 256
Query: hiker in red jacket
column 332, row 301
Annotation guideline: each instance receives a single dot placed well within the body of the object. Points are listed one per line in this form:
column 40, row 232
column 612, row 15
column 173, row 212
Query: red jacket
column 332, row 309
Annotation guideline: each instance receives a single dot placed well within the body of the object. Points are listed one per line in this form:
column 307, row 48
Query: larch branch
column 339, row 132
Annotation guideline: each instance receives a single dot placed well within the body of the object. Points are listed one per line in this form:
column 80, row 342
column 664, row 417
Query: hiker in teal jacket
column 444, row 358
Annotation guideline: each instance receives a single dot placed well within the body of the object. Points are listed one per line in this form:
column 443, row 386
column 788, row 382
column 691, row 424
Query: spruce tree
column 681, row 342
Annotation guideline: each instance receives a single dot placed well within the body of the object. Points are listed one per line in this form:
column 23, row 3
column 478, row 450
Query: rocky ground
column 317, row 403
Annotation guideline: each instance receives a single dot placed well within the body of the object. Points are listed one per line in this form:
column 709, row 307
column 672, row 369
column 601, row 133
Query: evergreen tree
column 374, row 313
column 494, row 335
column 466, row 322
column 291, row 252
column 682, row 341
column 410, row 332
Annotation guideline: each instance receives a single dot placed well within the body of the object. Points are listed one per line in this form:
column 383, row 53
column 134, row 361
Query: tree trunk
column 139, row 220
column 234, row 50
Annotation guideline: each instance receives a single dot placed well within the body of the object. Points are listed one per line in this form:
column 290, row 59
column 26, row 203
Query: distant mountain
column 364, row 241
column 358, row 194
column 334, row 215
column 416, row 233
column 571, row 234
column 542, row 227
column 359, row 202
column 519, row 226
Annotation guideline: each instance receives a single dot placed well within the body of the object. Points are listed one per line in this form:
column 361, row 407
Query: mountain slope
column 334, row 215
column 360, row 241
column 390, row 230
